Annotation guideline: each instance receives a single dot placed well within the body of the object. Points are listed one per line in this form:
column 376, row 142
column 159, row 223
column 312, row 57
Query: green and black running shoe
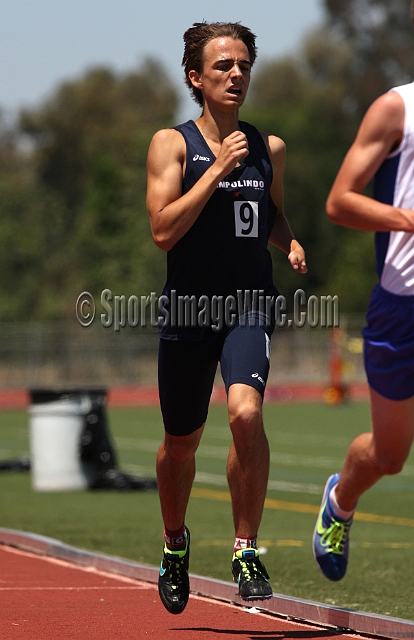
column 251, row 575
column 173, row 582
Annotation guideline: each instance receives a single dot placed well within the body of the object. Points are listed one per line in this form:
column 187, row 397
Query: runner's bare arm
column 380, row 132
column 281, row 235
column 171, row 213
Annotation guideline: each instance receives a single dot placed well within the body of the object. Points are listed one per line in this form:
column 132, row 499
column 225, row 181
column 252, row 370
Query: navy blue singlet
column 226, row 248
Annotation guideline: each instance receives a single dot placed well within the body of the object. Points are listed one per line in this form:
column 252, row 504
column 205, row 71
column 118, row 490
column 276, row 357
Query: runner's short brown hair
column 196, row 38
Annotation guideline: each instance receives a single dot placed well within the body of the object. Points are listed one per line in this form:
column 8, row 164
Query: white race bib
column 246, row 216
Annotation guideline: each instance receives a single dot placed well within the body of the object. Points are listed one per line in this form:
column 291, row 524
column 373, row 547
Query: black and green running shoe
column 173, row 582
column 251, row 575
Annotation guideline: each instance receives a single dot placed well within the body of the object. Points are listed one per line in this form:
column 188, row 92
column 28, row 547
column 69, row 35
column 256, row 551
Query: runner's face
column 226, row 72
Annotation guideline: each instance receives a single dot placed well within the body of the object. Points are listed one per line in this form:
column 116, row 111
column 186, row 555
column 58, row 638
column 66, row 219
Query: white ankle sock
column 341, row 513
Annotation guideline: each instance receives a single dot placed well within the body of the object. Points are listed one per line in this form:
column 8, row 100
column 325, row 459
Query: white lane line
column 216, row 452
column 273, row 485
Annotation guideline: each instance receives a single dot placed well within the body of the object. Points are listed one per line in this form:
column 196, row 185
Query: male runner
column 215, row 198
column 383, row 150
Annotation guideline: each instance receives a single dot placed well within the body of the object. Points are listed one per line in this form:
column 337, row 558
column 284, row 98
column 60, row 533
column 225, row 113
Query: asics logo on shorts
column 256, row 375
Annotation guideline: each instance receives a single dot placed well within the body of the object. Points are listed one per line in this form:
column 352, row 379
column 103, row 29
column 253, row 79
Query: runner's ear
column 195, row 78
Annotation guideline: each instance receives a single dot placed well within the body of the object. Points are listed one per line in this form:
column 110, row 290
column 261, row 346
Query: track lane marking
column 298, row 507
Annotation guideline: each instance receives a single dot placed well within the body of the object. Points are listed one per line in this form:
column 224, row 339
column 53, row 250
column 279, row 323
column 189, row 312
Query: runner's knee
column 180, row 448
column 245, row 416
column 390, row 463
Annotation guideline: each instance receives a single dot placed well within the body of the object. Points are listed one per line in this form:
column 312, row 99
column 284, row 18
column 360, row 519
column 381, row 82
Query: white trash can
column 56, row 425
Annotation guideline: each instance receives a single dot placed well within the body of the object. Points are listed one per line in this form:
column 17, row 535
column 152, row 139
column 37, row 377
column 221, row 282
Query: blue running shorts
column 389, row 344
column 187, row 369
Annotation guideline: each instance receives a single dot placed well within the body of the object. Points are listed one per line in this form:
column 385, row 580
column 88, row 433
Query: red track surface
column 44, row 598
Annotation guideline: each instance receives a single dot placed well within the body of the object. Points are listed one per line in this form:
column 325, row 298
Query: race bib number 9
column 247, row 219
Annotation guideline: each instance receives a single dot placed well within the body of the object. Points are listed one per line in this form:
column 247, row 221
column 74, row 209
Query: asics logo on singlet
column 197, row 157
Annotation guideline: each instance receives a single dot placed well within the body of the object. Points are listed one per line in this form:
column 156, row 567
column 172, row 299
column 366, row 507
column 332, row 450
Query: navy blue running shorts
column 389, row 344
column 187, row 368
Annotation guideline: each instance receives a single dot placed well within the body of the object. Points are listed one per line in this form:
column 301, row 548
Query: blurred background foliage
column 72, row 170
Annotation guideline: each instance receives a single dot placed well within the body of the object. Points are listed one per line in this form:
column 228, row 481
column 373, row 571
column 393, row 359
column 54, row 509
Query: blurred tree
column 33, row 251
column 381, row 35
column 89, row 143
column 99, row 114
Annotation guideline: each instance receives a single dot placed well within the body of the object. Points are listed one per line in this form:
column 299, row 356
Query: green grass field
column 308, row 442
